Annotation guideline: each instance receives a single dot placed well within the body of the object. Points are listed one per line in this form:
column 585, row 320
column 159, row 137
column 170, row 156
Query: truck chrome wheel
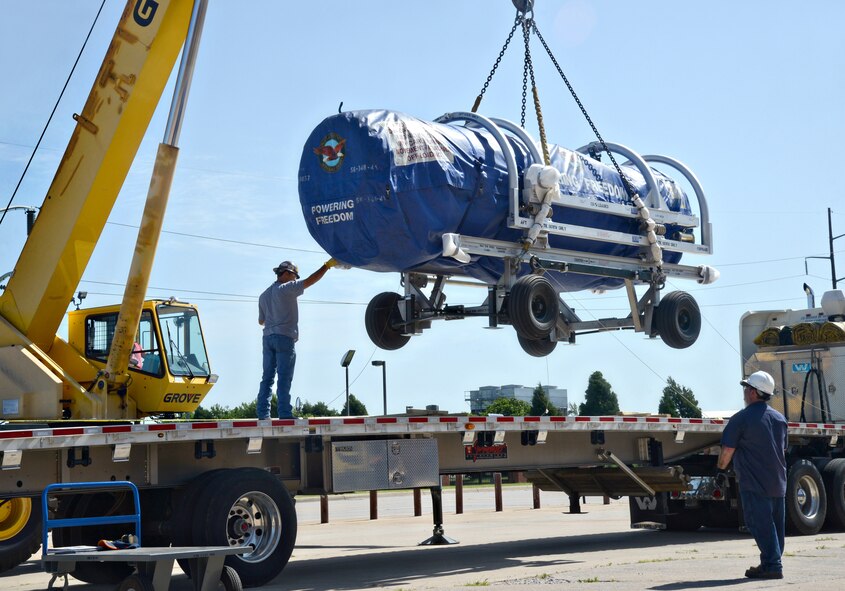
column 806, row 501
column 243, row 507
column 254, row 520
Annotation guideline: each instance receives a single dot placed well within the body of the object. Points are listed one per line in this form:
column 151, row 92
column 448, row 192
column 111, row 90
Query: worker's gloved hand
column 330, row 263
column 721, row 479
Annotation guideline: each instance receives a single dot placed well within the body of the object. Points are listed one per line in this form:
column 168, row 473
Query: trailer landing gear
column 438, row 538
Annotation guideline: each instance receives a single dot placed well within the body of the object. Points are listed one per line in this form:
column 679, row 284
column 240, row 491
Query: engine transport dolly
column 152, row 566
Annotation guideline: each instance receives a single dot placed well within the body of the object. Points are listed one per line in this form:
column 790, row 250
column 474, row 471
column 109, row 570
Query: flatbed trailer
column 232, row 482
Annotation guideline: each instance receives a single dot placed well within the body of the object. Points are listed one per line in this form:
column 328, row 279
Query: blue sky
column 748, row 95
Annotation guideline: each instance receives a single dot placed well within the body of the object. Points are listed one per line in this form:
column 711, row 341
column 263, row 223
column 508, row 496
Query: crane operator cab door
column 168, row 366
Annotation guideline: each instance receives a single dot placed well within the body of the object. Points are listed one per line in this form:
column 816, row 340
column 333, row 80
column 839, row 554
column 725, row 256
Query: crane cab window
column 182, row 339
column 145, row 355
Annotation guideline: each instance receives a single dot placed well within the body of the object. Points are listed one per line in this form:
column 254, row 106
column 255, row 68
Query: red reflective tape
column 417, row 419
column 289, row 422
column 582, row 419
column 716, row 421
column 652, row 419
column 316, row 422
column 531, row 419
column 117, row 429
column 14, row 434
column 792, row 424
column 386, row 420
column 69, row 431
column 211, row 425
column 812, row 425
column 448, row 419
column 477, row 419
column 560, row 419
column 629, row 419
column 355, row 421
column 674, row 420
column 245, row 423
column 607, row 419
column 828, row 426
column 696, row 421
column 164, row 427
column 504, row 419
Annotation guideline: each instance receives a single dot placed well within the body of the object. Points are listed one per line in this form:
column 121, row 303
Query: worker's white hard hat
column 762, row 382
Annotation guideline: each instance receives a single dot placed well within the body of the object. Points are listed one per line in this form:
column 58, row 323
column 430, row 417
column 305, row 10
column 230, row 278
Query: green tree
column 356, row 407
column 600, row 399
column 541, row 404
column 318, row 409
column 510, row 407
column 678, row 401
column 572, row 409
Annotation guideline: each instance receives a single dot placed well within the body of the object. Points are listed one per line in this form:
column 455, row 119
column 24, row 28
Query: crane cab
column 168, row 367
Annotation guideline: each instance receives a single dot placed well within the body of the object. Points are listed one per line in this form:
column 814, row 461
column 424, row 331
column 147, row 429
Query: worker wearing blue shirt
column 755, row 439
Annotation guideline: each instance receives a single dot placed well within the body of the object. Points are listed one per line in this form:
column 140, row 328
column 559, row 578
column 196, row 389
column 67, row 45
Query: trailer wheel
column 248, row 507
column 806, row 502
column 834, row 479
column 381, row 315
column 20, row 531
column 538, row 347
column 230, row 580
column 135, row 583
column 533, row 307
column 678, row 319
column 94, row 505
column 183, row 503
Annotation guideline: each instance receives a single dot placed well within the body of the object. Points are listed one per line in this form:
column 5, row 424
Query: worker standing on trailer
column 278, row 313
column 756, row 438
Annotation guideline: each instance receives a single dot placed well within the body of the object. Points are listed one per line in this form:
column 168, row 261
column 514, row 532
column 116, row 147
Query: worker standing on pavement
column 278, row 313
column 756, row 438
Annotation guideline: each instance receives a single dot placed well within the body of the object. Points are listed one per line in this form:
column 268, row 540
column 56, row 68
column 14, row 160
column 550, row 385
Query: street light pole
column 383, row 365
column 344, row 363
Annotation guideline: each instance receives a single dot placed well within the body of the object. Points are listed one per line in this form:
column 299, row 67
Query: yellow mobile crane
column 44, row 378
column 119, row 362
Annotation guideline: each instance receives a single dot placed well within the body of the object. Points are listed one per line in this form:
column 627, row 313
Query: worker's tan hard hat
column 286, row 266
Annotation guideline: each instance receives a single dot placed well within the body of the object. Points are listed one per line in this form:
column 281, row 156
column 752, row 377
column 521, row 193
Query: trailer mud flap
column 649, row 512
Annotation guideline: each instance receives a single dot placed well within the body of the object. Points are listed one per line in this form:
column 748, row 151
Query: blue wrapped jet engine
column 379, row 189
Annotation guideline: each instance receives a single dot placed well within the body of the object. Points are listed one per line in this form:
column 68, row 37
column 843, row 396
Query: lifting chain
column 628, row 187
column 480, row 96
column 527, row 26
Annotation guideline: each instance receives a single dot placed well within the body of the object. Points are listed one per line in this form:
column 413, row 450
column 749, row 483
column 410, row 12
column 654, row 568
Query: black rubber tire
column 24, row 543
column 382, row 313
column 533, row 307
column 184, row 502
column 229, row 579
column 98, row 504
column 834, row 480
column 258, row 501
column 134, row 582
column 806, row 501
column 678, row 319
column 538, row 347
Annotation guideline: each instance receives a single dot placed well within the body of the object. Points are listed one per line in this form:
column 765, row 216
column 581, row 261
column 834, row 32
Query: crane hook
column 524, row 6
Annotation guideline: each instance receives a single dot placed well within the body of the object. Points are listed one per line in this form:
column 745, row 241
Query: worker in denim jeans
column 278, row 313
column 756, row 438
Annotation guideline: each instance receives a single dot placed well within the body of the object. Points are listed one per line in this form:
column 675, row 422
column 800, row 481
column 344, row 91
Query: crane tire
column 20, row 531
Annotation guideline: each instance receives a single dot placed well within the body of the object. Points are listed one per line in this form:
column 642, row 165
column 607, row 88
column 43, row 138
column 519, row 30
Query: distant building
column 480, row 399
